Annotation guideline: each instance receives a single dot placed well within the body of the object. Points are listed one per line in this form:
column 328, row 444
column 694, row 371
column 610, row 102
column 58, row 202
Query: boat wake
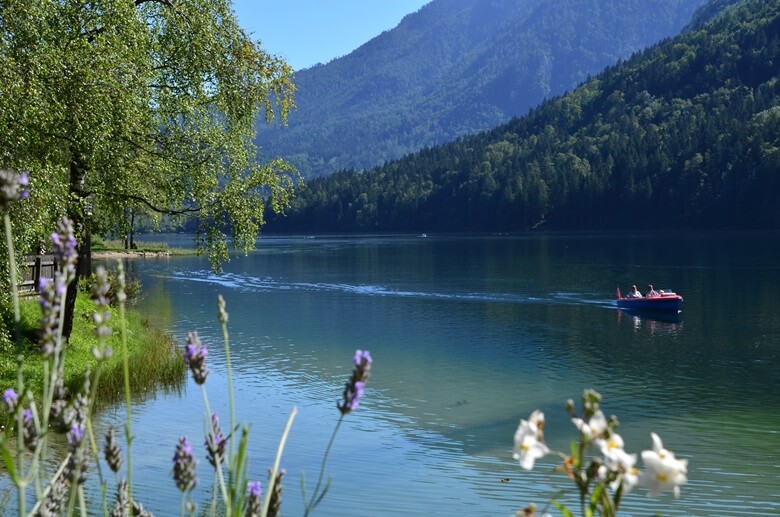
column 246, row 283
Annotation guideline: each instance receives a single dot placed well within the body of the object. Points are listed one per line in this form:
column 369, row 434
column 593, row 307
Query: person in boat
column 651, row 291
column 634, row 293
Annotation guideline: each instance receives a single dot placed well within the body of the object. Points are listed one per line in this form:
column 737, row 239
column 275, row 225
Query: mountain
column 456, row 67
column 685, row 134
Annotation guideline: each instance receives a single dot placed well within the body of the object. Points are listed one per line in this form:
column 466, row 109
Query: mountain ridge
column 456, row 67
column 685, row 134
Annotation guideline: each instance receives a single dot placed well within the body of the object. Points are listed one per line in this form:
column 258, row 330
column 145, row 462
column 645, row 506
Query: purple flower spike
column 360, row 387
column 65, row 248
column 10, row 398
column 51, row 292
column 184, row 465
column 215, row 443
column 254, row 489
column 362, row 358
column 29, row 433
column 24, row 183
column 253, row 502
column 13, row 186
column 195, row 354
column 75, row 435
column 354, row 389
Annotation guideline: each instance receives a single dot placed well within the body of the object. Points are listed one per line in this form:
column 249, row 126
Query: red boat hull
column 664, row 302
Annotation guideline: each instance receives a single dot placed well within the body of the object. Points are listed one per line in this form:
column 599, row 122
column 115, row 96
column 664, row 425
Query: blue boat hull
column 656, row 303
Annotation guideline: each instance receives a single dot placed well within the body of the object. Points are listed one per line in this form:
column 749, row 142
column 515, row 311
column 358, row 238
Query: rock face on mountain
column 457, row 67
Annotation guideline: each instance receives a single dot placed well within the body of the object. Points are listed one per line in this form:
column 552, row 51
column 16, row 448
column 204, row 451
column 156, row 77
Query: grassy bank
column 153, row 358
column 157, row 248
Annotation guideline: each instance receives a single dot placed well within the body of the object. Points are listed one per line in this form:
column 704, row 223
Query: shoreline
column 129, row 254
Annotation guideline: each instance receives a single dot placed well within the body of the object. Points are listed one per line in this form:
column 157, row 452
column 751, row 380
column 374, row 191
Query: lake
column 468, row 335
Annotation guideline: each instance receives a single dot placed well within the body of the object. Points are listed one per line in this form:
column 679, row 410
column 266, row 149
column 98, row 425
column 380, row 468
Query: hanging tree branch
column 160, row 210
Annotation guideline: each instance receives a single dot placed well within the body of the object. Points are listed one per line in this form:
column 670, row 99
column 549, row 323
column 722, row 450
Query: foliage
column 455, row 68
column 678, row 136
column 118, row 107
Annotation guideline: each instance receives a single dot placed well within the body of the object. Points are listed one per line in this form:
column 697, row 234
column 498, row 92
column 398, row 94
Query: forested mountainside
column 457, row 67
column 685, row 134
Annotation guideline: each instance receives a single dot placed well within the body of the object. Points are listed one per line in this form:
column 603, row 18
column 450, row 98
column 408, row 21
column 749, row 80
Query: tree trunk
column 81, row 231
column 132, row 229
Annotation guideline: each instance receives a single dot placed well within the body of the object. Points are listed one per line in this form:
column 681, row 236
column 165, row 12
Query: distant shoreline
column 129, row 254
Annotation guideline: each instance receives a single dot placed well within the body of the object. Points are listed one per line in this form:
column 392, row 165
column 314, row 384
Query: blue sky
column 307, row 32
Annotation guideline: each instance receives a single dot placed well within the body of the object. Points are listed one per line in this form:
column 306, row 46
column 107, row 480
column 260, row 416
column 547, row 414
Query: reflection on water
column 468, row 335
column 652, row 322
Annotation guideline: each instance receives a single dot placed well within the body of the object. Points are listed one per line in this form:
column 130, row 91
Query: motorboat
column 665, row 300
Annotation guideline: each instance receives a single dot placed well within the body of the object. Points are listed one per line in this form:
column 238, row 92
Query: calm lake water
column 469, row 335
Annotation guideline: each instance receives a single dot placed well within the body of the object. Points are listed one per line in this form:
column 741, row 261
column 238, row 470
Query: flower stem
column 21, row 485
column 12, row 266
column 128, row 399
column 9, row 239
column 315, row 498
column 226, row 339
column 277, row 460
column 210, row 432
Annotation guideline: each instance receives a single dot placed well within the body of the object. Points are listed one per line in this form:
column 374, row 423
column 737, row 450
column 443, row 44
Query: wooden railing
column 38, row 266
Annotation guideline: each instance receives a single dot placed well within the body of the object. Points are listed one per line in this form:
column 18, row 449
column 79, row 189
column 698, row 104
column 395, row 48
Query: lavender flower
column 51, row 294
column 215, row 442
column 362, row 359
column 53, row 503
column 221, row 312
column 121, row 295
column 75, row 435
column 24, row 183
column 100, row 290
column 112, row 451
column 76, row 469
column 122, row 500
column 13, row 186
column 121, row 507
column 354, row 389
column 253, row 501
column 53, row 291
column 66, row 251
column 58, row 404
column 10, row 398
column 29, row 432
column 274, row 507
column 64, row 416
column 195, row 354
column 184, row 465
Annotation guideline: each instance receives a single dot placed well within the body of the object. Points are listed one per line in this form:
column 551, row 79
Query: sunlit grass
column 154, row 360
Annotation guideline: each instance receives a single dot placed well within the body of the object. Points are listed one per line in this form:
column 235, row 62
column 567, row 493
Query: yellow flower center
column 662, row 477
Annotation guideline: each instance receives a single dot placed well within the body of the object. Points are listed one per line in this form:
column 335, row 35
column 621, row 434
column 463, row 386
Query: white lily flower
column 630, row 478
column 528, row 445
column 619, row 461
column 615, row 458
column 593, row 428
column 664, row 471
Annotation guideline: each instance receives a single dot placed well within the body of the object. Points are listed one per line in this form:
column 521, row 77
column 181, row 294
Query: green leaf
column 10, row 466
column 562, row 508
